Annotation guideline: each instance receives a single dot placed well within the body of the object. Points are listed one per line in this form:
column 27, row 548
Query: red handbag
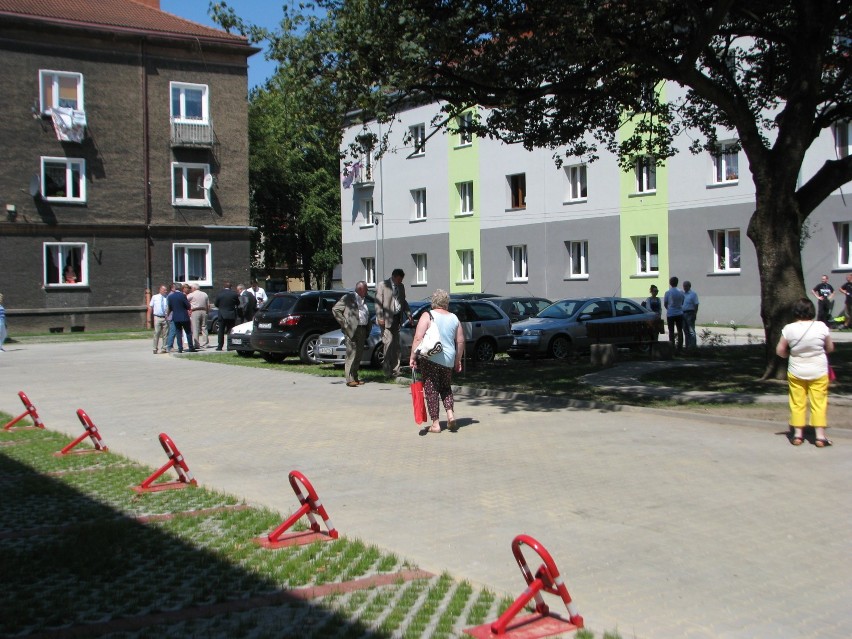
column 418, row 400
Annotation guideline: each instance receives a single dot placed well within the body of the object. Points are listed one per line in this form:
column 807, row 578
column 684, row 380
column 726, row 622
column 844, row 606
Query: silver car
column 486, row 329
column 562, row 327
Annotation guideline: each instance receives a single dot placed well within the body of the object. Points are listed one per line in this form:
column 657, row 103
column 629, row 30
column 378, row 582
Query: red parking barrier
column 91, row 432
column 177, row 462
column 544, row 623
column 311, row 505
column 31, row 411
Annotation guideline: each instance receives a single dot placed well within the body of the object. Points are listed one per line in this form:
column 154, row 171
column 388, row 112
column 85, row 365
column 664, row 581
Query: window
column 60, row 89
column 465, row 198
column 578, row 259
column 466, row 261
column 726, row 246
column 65, row 264
column 63, row 179
column 420, row 268
column 366, row 209
column 189, row 102
column 725, row 164
column 646, row 175
column 576, row 188
column 844, row 244
column 418, row 138
column 418, row 201
column 519, row 263
column 188, row 184
column 841, row 139
column 647, row 254
column 465, row 120
column 518, row 191
column 369, row 264
column 192, row 264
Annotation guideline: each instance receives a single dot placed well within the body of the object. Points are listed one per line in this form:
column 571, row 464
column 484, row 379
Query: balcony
column 192, row 134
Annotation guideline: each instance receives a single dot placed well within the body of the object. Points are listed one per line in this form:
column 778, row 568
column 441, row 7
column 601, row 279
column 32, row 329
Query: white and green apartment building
column 476, row 215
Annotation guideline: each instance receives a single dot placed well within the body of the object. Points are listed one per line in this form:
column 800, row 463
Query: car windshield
column 563, row 309
column 281, row 304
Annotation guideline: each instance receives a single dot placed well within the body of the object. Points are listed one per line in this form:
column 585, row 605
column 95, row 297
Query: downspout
column 146, row 176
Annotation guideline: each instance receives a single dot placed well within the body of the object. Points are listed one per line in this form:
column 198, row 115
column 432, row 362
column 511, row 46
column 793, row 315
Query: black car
column 521, row 308
column 291, row 323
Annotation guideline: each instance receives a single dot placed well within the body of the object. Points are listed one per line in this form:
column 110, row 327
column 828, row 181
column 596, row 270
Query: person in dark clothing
column 179, row 307
column 824, row 292
column 248, row 303
column 228, row 304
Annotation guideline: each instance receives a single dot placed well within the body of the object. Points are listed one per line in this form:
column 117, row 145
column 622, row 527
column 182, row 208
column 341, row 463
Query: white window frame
column 646, row 175
column 465, row 190
column 185, row 183
column 418, row 204
column 71, row 166
column 578, row 249
column 726, row 164
column 184, row 248
column 464, row 122
column 467, row 270
column 519, row 266
column 61, row 252
column 844, row 244
column 723, row 256
column 369, row 266
column 51, row 78
column 365, row 208
column 181, row 116
column 647, row 261
column 420, row 268
column 418, row 139
column 517, row 193
column 576, row 183
column 842, row 135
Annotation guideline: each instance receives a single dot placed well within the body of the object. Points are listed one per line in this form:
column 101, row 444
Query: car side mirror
column 585, row 317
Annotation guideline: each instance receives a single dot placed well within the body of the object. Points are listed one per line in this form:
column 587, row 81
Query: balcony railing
column 192, row 133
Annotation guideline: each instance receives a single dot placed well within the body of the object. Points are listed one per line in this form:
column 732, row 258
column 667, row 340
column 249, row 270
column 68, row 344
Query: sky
column 266, row 13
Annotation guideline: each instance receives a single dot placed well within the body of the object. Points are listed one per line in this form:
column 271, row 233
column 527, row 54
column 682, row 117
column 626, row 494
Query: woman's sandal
column 431, row 430
column 796, row 441
column 452, row 426
column 822, row 442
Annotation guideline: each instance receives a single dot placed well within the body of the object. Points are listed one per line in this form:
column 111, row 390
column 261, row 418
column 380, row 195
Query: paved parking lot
column 662, row 525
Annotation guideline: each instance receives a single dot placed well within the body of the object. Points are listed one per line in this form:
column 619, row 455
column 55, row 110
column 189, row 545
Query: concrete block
column 661, row 350
column 603, row 355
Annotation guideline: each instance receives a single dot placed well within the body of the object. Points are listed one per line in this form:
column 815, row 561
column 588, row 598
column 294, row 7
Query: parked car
column 561, row 328
column 213, row 321
column 521, row 308
column 239, row 339
column 291, row 324
column 485, row 326
column 466, row 296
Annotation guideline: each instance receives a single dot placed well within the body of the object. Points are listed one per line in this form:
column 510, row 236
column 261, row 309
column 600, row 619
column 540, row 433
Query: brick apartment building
column 124, row 161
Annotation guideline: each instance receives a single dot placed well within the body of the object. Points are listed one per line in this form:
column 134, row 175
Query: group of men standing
column 681, row 312
column 824, row 292
column 182, row 309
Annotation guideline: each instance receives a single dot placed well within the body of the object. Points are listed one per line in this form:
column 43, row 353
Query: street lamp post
column 377, row 215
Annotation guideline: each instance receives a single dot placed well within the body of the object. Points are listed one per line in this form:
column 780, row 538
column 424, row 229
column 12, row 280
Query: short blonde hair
column 441, row 299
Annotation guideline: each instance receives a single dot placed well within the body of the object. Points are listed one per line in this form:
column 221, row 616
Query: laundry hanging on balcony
column 69, row 124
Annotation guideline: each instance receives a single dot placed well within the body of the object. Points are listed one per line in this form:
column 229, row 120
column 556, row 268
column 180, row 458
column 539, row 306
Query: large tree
column 568, row 74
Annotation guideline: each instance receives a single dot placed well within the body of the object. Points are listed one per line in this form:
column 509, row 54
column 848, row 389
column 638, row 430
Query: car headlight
column 533, row 332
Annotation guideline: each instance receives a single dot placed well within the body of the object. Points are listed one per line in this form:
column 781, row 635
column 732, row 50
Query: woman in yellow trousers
column 806, row 343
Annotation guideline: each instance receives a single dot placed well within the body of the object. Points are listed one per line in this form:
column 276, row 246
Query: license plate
column 326, row 350
column 265, row 325
column 236, row 340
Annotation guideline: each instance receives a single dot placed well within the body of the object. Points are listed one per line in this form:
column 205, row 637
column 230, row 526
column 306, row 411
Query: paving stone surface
column 662, row 525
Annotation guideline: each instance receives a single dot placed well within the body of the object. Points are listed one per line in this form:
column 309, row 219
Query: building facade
column 476, row 215
column 124, row 163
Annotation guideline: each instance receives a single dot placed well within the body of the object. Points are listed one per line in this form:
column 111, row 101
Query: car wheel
column 273, row 358
column 484, row 350
column 214, row 327
column 245, row 353
column 560, row 347
column 378, row 358
column 308, row 351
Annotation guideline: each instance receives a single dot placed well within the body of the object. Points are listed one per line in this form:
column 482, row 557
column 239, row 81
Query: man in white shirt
column 158, row 308
column 259, row 293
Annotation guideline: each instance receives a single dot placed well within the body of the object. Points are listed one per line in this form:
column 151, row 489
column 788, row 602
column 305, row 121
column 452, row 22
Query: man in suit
column 391, row 305
column 228, row 303
column 352, row 314
column 248, row 303
column 179, row 308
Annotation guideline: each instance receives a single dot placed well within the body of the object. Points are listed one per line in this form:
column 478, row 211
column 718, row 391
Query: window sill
column 466, row 214
column 367, row 226
column 520, row 280
column 642, row 276
column 51, row 287
column 464, row 282
column 464, row 145
column 724, row 273
column 642, row 193
column 721, row 185
column 192, row 205
column 576, row 277
column 416, row 284
column 513, row 209
column 421, row 154
column 581, row 200
column 64, row 200
column 415, row 220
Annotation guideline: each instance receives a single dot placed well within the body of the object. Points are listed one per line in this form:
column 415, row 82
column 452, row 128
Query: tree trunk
column 775, row 230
